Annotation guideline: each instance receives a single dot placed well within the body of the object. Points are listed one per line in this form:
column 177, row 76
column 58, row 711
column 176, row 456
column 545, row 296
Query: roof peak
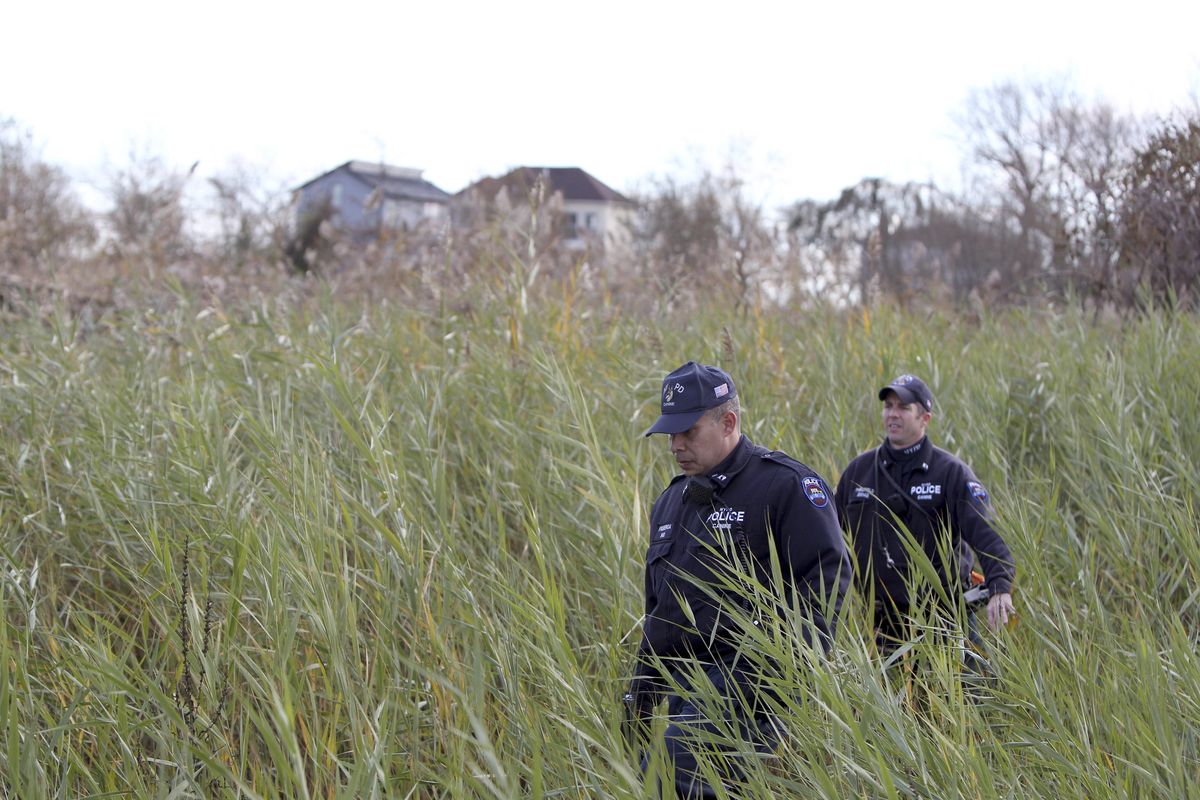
column 573, row 183
column 379, row 169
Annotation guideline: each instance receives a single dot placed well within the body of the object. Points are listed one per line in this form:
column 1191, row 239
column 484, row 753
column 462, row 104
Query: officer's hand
column 1000, row 610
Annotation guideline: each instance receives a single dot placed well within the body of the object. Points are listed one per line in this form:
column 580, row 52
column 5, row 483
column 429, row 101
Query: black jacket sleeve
column 973, row 516
column 645, row 685
column 812, row 550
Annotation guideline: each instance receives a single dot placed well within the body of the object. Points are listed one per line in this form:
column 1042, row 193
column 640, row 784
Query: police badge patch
column 814, row 490
column 977, row 491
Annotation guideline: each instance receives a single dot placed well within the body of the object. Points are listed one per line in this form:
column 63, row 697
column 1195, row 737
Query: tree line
column 1062, row 197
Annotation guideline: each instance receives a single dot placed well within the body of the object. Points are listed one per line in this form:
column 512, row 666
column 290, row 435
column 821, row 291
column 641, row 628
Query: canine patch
column 814, row 490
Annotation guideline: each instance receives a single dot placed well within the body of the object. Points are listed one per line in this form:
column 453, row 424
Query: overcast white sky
column 814, row 95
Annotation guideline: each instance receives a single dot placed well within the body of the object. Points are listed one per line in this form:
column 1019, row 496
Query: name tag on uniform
column 662, row 532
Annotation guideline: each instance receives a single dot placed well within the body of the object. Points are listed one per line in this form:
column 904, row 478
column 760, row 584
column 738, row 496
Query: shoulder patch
column 814, row 490
column 977, row 491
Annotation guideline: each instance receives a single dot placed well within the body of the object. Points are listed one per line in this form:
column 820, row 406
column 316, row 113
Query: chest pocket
column 872, row 522
column 866, row 514
column 698, row 550
column 657, row 565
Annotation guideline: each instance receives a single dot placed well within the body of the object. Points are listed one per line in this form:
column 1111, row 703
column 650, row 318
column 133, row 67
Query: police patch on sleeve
column 977, row 491
column 814, row 490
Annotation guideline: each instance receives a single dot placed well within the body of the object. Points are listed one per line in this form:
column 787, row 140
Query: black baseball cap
column 910, row 389
column 687, row 393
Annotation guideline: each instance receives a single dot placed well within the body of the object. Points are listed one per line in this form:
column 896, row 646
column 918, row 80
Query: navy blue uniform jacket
column 758, row 496
column 942, row 504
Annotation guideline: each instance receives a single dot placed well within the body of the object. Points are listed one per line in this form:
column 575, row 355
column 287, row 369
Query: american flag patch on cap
column 721, row 390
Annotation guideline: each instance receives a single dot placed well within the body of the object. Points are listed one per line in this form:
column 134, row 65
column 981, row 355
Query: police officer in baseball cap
column 908, row 483
column 746, row 503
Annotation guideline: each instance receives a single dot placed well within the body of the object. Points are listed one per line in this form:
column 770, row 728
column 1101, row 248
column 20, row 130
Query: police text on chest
column 926, row 491
column 725, row 518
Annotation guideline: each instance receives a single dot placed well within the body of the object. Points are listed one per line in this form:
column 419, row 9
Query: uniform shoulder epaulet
column 941, row 452
column 950, row 458
column 783, row 458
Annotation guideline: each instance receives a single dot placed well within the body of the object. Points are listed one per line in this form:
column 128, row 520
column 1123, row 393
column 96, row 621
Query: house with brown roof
column 592, row 211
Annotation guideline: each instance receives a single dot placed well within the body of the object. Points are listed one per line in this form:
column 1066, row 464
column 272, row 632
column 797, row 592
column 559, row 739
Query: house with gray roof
column 366, row 199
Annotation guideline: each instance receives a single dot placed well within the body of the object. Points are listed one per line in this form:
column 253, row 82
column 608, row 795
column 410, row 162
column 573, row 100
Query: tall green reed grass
column 413, row 547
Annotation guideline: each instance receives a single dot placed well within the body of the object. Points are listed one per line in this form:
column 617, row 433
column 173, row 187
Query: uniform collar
column 918, row 454
column 724, row 472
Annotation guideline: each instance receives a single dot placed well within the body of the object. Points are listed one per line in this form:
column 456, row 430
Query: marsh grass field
column 348, row 553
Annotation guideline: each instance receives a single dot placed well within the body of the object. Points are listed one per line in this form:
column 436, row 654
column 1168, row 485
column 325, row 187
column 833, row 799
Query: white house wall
column 610, row 223
column 408, row 214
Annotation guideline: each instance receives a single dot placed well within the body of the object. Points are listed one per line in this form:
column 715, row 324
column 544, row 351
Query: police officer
column 908, row 483
column 732, row 506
